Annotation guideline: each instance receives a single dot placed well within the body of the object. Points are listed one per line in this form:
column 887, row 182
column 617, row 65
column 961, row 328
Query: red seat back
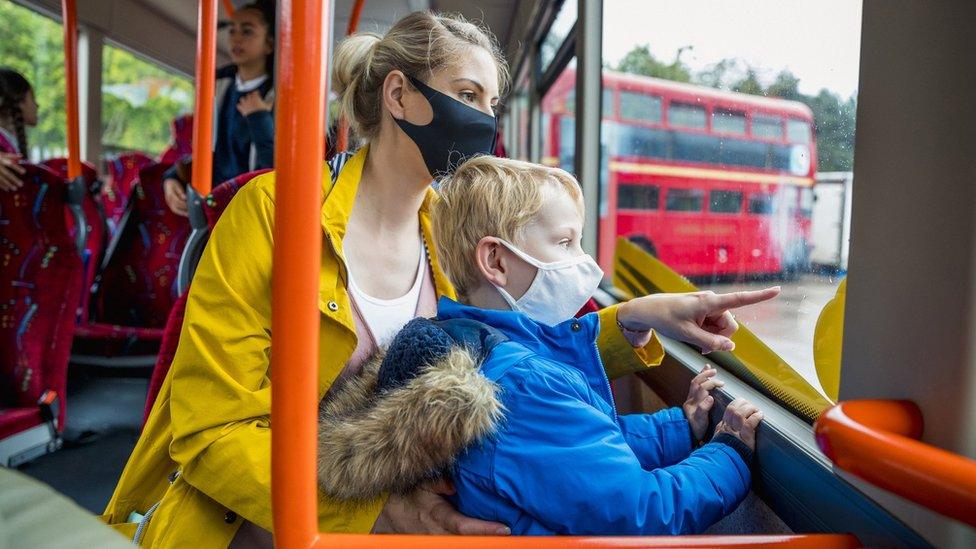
column 182, row 130
column 137, row 286
column 123, row 172
column 97, row 237
column 39, row 274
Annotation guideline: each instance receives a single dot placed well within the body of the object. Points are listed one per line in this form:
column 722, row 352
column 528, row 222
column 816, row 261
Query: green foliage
column 139, row 100
column 834, row 117
column 34, row 45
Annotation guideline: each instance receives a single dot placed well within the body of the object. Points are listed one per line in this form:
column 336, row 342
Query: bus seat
column 123, row 172
column 208, row 210
column 137, row 285
column 182, row 133
column 95, row 233
column 39, row 273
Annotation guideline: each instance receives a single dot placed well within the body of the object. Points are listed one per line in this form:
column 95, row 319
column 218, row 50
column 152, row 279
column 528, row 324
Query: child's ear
column 489, row 256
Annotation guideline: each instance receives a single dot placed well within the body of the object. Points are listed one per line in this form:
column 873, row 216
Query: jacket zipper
column 606, row 382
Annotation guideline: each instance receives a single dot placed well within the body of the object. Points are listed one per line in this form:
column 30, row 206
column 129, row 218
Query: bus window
column 798, row 131
column 726, row 121
column 558, row 123
column 725, row 201
column 139, row 100
column 638, row 197
column 639, row 106
column 558, row 32
column 747, row 128
column 33, row 45
column 761, row 204
column 684, row 200
column 768, row 127
column 682, row 115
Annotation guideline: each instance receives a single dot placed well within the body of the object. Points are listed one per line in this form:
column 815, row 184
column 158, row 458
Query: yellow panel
column 638, row 273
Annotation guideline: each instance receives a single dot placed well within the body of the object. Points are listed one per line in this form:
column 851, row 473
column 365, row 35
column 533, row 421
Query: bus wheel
column 645, row 244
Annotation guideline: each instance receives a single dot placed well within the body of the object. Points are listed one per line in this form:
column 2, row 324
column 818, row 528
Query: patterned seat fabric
column 137, row 284
column 91, row 256
column 39, row 273
column 214, row 206
column 123, row 172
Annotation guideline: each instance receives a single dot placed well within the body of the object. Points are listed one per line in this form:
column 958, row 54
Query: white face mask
column 559, row 290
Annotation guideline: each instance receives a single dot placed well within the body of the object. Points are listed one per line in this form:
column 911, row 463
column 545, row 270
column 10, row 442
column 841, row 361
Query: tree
column 640, row 60
column 749, row 84
column 786, row 86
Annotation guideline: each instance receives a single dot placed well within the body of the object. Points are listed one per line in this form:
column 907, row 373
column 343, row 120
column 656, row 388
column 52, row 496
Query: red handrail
column 202, row 172
column 302, row 47
column 342, row 137
column 875, row 440
column 70, row 23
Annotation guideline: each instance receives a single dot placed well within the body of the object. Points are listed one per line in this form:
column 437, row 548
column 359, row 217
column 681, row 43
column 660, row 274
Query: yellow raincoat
column 205, row 452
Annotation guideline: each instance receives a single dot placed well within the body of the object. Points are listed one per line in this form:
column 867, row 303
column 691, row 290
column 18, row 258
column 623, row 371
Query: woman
column 18, row 110
column 421, row 97
column 244, row 136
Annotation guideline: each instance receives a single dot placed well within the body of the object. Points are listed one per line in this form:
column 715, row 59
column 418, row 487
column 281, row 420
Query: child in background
column 18, row 110
column 244, row 137
column 506, row 392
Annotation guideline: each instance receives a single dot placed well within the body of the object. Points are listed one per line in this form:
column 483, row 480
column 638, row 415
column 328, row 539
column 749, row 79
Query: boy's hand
column 175, row 197
column 741, row 420
column 700, row 318
column 253, row 102
column 700, row 401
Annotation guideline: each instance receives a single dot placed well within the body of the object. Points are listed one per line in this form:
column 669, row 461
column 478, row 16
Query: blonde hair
column 489, row 196
column 419, row 44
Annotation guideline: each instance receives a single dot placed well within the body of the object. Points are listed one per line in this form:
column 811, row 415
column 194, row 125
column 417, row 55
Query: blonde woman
column 422, row 98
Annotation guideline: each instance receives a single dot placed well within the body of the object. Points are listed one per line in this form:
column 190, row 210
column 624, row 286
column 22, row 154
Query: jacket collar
column 565, row 342
column 337, row 206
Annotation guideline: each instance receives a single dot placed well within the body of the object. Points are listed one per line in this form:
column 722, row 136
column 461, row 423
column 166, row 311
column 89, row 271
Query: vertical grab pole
column 342, row 140
column 202, row 171
column 301, row 106
column 70, row 20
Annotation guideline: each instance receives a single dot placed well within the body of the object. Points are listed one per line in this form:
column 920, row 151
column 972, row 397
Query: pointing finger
column 741, row 299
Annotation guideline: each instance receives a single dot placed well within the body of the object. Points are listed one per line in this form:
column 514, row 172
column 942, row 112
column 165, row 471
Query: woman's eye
column 467, row 96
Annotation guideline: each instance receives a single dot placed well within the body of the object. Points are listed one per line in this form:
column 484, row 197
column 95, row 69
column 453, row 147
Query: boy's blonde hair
column 489, row 196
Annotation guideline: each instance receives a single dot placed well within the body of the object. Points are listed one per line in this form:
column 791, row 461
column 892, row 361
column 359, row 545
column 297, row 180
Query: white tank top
column 385, row 317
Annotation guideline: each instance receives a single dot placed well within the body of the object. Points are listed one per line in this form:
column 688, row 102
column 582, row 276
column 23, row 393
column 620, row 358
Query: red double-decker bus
column 714, row 183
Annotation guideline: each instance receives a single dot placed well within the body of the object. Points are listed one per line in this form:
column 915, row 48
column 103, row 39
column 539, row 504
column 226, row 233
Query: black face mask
column 456, row 132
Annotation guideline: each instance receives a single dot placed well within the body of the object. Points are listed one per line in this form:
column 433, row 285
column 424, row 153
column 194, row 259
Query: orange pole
column 342, row 138
column 302, row 50
column 70, row 19
column 202, row 173
column 228, row 7
column 874, row 440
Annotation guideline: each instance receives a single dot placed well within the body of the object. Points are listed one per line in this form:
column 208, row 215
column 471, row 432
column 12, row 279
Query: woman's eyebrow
column 474, row 83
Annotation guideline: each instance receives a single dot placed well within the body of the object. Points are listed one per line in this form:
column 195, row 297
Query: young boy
column 507, row 390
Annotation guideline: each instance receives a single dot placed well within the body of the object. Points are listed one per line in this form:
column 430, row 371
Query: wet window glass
column 738, row 129
column 682, row 115
column 726, row 121
column 684, row 200
column 725, row 201
column 643, row 107
column 558, row 122
column 560, row 29
column 638, row 197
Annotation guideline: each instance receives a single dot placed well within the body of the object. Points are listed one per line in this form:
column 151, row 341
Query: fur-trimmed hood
column 409, row 413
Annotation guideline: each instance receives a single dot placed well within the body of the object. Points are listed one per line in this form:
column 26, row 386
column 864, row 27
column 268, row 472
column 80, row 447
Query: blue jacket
column 563, row 462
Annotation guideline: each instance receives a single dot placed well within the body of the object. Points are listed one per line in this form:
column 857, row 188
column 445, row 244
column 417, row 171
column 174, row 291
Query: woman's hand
column 175, row 196
column 425, row 511
column 699, row 318
column 700, row 400
column 252, row 103
column 10, row 172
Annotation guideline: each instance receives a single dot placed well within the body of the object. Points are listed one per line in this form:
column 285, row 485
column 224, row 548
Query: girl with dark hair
column 244, row 137
column 18, row 109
